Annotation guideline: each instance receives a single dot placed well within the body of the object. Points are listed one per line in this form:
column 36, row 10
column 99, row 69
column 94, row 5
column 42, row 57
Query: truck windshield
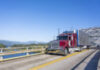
column 62, row 37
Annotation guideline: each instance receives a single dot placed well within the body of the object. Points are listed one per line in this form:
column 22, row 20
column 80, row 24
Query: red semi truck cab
column 66, row 41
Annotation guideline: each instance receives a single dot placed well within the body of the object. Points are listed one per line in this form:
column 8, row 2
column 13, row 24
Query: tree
column 2, row 46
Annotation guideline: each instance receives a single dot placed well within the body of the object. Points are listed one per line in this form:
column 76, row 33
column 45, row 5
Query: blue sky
column 38, row 20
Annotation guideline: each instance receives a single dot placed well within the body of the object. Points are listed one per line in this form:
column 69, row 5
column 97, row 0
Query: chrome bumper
column 56, row 51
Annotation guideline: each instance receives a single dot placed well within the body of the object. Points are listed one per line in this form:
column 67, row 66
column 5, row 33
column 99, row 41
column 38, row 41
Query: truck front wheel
column 46, row 51
column 65, row 52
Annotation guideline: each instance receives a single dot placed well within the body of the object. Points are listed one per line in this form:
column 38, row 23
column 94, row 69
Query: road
column 87, row 60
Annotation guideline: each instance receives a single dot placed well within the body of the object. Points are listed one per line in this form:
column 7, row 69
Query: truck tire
column 46, row 51
column 65, row 52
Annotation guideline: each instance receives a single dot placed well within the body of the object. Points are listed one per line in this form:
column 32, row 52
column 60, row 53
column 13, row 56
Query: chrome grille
column 54, row 44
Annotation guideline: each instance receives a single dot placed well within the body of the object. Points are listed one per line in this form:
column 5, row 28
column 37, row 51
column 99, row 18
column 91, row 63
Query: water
column 17, row 55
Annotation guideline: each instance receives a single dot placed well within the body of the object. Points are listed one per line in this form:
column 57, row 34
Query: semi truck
column 69, row 41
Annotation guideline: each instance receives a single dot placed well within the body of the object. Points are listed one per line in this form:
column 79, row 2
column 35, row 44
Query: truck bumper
column 56, row 51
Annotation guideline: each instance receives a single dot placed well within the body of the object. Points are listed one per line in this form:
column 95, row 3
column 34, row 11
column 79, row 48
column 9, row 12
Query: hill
column 10, row 43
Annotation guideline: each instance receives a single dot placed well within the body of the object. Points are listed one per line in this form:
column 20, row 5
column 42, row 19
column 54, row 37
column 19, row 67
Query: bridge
column 84, row 60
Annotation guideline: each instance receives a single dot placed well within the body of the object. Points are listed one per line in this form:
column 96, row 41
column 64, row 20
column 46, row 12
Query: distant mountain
column 10, row 43
column 94, row 34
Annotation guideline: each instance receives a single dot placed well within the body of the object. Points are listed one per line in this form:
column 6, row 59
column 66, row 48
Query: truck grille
column 54, row 44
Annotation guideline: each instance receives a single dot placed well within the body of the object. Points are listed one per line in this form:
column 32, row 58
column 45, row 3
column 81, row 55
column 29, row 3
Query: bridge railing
column 4, row 51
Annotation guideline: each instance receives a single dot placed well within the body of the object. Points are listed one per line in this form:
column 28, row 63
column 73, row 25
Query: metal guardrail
column 15, row 50
column 20, row 50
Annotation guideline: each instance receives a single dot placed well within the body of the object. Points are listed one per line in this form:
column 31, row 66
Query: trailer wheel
column 65, row 52
column 80, row 49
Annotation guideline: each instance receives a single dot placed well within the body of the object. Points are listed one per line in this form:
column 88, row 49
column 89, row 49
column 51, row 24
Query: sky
column 39, row 20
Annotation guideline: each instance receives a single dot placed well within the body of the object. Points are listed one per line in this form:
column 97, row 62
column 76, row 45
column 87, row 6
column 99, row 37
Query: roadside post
column 1, row 57
column 27, row 51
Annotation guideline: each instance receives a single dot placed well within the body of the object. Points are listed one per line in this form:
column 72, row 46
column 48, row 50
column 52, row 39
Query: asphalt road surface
column 87, row 60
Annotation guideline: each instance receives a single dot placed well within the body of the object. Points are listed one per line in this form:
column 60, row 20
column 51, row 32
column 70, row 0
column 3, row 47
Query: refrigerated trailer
column 69, row 41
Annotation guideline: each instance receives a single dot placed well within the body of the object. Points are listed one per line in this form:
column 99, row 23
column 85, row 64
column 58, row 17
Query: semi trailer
column 69, row 41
